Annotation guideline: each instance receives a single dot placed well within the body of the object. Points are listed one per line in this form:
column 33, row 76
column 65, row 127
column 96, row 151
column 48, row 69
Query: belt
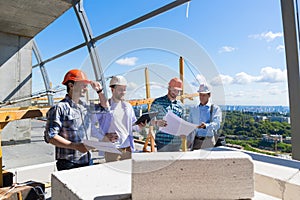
column 199, row 138
column 126, row 149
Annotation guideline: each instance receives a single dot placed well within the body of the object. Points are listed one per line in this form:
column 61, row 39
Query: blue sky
column 236, row 46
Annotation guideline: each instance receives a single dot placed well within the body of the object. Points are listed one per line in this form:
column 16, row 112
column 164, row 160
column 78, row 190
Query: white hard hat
column 117, row 80
column 204, row 88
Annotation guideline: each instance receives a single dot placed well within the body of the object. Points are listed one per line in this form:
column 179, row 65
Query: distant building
column 279, row 119
column 258, row 118
column 272, row 138
column 288, row 140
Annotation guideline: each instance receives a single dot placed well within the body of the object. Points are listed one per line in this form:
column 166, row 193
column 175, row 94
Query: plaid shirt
column 72, row 122
column 162, row 105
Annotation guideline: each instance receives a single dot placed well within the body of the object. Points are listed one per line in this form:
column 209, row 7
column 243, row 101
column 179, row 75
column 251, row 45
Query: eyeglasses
column 174, row 90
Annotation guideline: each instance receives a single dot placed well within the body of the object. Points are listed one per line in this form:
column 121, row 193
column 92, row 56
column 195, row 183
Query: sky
column 234, row 46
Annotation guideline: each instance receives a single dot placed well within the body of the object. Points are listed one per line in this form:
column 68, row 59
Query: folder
column 146, row 117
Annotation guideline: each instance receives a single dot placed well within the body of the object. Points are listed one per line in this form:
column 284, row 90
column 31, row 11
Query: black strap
column 211, row 111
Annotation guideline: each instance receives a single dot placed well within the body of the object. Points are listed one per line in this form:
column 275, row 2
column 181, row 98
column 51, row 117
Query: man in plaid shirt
column 69, row 122
column 164, row 141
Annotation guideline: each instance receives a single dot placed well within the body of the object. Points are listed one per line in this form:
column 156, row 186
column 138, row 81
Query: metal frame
column 90, row 43
column 292, row 65
column 43, row 72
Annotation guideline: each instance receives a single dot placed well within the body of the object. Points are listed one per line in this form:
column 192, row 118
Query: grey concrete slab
column 28, row 17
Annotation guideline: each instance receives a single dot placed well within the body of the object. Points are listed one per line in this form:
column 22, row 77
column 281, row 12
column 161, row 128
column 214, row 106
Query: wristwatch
column 98, row 91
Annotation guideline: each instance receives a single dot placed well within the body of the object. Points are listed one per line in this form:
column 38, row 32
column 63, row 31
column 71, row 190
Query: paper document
column 102, row 146
column 177, row 126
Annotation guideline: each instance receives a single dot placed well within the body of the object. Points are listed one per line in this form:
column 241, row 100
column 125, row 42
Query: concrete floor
column 35, row 152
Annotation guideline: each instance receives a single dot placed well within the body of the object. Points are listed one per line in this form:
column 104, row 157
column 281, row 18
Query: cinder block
column 283, row 185
column 103, row 181
column 38, row 173
column 198, row 175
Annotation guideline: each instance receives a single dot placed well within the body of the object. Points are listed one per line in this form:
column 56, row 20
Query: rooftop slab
column 28, row 17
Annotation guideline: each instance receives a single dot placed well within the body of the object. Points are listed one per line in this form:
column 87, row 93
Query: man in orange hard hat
column 68, row 122
column 164, row 141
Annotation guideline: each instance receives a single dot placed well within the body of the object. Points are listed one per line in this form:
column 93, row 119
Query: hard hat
column 204, row 88
column 117, row 80
column 176, row 83
column 75, row 75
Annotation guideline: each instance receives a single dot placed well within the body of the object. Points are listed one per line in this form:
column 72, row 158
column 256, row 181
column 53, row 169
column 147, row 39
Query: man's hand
column 80, row 147
column 161, row 123
column 96, row 86
column 202, row 125
column 142, row 125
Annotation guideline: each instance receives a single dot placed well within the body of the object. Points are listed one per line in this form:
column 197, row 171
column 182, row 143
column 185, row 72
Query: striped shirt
column 162, row 105
column 72, row 122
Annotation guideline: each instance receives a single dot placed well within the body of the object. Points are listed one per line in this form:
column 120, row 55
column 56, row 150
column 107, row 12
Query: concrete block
column 39, row 173
column 103, row 181
column 279, row 181
column 201, row 174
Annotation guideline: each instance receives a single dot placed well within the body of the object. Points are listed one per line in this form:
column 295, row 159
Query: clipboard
column 146, row 117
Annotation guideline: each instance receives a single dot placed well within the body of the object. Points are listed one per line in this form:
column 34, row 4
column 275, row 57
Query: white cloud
column 271, row 75
column 280, row 48
column 239, row 94
column 127, row 61
column 268, row 36
column 243, row 78
column 221, row 80
column 274, row 91
column 226, row 49
column 132, row 86
column 267, row 75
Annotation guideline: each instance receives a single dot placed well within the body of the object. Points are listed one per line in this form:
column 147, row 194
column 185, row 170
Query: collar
column 172, row 102
column 206, row 105
column 71, row 102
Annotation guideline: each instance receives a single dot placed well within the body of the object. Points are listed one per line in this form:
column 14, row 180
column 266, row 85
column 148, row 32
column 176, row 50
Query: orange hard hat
column 75, row 75
column 176, row 83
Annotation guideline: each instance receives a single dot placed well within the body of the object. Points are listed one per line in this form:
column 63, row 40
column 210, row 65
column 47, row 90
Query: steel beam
column 292, row 65
column 43, row 72
column 90, row 43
